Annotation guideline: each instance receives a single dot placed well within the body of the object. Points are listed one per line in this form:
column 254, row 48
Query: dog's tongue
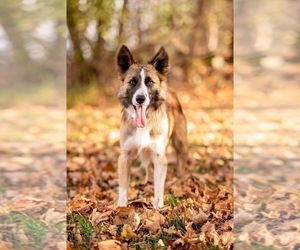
column 140, row 118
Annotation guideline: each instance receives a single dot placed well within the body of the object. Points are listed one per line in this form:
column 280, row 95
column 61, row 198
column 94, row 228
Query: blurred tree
column 32, row 41
column 193, row 32
column 87, row 21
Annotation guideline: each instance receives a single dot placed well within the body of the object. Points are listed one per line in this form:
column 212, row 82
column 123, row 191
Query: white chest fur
column 139, row 140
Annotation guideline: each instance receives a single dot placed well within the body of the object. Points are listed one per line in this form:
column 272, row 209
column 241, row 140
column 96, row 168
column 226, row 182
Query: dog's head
column 143, row 85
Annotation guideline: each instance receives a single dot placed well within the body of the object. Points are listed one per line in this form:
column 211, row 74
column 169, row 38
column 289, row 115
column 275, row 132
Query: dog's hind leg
column 180, row 144
column 124, row 163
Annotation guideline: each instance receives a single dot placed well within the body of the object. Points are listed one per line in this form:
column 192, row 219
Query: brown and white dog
column 151, row 116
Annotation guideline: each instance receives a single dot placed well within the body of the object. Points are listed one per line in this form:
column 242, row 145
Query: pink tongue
column 140, row 118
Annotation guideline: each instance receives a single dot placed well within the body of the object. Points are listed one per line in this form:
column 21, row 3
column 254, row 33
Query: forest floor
column 32, row 186
column 198, row 211
column 266, row 154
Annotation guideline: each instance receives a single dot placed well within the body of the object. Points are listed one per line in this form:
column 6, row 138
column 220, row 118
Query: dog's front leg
column 124, row 178
column 160, row 171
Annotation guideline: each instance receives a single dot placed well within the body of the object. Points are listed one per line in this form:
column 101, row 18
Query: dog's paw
column 158, row 203
column 122, row 204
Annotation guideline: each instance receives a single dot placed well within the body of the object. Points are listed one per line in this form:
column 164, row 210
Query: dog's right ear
column 124, row 59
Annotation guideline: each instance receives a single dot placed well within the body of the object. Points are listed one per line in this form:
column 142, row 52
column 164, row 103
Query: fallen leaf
column 112, row 230
column 5, row 246
column 109, row 245
column 96, row 217
column 161, row 243
column 177, row 191
column 52, row 217
column 127, row 215
column 153, row 220
column 124, row 215
column 226, row 238
column 200, row 217
column 60, row 245
column 178, row 243
column 127, row 232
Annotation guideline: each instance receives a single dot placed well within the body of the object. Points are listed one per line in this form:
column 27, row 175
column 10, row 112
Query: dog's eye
column 132, row 82
column 149, row 82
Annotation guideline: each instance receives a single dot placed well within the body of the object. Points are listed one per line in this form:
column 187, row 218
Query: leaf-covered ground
column 266, row 172
column 198, row 212
column 32, row 186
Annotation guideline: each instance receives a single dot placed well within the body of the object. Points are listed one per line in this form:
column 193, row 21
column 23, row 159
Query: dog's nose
column 140, row 99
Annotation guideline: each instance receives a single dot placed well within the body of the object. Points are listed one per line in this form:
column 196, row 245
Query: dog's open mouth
column 140, row 120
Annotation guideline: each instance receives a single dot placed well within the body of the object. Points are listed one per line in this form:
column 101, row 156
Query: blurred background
column 196, row 34
column 33, row 124
column 266, row 124
column 32, row 50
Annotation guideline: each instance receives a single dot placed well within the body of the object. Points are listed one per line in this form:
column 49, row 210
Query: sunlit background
column 196, row 34
column 266, row 124
column 33, row 124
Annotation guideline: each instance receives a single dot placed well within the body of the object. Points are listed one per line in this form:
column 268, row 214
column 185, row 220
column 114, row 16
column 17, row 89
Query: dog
column 151, row 117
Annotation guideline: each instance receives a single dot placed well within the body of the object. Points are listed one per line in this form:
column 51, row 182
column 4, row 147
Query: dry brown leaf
column 61, row 245
column 109, row 245
column 261, row 234
column 81, row 204
column 127, row 215
column 124, row 215
column 228, row 225
column 96, row 217
column 178, row 243
column 52, row 217
column 27, row 204
column 241, row 216
column 108, row 167
column 70, row 245
column 190, row 232
column 133, row 193
column 177, row 191
column 200, row 217
column 213, row 234
column 289, row 238
column 226, row 238
column 170, row 230
column 112, row 230
column 189, row 214
column 161, row 243
column 153, row 220
column 209, row 234
column 127, row 232
column 218, row 214
column 5, row 246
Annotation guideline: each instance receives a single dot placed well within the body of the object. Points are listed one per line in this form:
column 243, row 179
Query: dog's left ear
column 124, row 59
column 161, row 61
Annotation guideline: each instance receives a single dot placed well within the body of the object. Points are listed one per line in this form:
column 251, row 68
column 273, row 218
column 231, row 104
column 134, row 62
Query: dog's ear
column 161, row 61
column 124, row 59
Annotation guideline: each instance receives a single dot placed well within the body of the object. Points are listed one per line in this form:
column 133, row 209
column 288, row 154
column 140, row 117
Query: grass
column 178, row 222
column 202, row 170
column 212, row 247
column 81, row 235
column 36, row 229
column 27, row 232
column 171, row 200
